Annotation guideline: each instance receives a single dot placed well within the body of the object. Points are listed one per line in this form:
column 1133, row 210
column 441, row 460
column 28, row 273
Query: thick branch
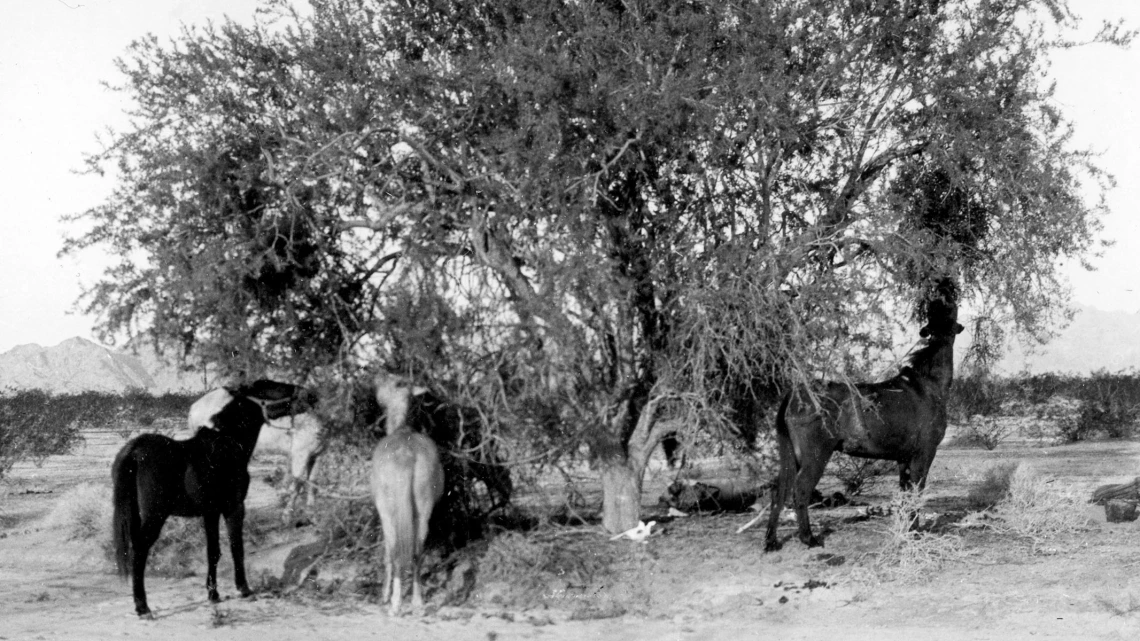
column 381, row 221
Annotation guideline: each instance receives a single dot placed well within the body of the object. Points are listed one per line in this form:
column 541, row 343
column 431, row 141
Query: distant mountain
column 1094, row 340
column 79, row 365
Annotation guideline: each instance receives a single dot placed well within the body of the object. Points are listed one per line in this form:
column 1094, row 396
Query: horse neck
column 242, row 422
column 935, row 362
column 396, row 416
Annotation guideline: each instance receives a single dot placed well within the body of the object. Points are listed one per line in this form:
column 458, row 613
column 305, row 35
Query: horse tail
column 125, row 519
column 788, row 460
column 786, row 476
column 427, row 489
column 404, row 521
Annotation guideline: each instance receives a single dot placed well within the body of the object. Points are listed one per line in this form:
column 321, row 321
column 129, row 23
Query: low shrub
column 1034, row 508
column 1109, row 405
column 910, row 555
column 986, row 431
column 977, row 396
column 858, row 474
column 83, row 512
column 992, row 488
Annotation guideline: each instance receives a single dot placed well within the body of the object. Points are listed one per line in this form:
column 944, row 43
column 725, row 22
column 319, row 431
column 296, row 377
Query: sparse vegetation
column 908, row 554
column 1037, row 509
column 35, row 424
column 992, row 488
column 858, row 474
column 83, row 512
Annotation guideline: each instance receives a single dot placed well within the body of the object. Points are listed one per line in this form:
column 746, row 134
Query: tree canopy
column 591, row 216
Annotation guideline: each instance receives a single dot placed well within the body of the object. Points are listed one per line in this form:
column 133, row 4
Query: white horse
column 299, row 436
column 407, row 482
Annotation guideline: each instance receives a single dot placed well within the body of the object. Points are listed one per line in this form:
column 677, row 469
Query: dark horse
column 900, row 419
column 206, row 475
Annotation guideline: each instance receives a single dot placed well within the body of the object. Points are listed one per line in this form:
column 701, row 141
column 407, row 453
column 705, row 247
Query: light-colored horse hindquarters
column 407, row 482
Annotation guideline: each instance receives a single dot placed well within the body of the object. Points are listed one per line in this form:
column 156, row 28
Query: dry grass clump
column 909, row 555
column 82, row 513
column 1037, row 509
column 993, row 487
column 540, row 566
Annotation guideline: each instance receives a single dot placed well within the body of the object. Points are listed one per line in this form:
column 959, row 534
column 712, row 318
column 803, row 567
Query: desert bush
column 180, row 550
column 82, row 512
column 1034, row 508
column 1110, row 404
column 992, row 487
column 977, row 396
column 1040, row 388
column 986, row 431
column 858, row 474
column 911, row 555
column 35, row 425
column 346, row 516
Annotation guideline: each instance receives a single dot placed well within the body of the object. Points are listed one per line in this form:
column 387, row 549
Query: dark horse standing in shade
column 206, row 476
column 900, row 419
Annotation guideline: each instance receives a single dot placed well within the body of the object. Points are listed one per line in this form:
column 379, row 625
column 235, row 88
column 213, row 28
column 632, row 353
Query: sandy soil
column 695, row 579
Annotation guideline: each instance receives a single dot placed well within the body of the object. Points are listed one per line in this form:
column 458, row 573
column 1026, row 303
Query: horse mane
column 919, row 359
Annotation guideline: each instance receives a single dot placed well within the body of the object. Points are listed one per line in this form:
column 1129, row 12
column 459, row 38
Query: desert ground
column 694, row 578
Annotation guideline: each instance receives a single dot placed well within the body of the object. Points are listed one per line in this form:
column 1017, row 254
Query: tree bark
column 622, row 473
column 621, row 495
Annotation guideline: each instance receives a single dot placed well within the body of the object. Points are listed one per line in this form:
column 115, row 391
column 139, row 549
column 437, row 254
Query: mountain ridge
column 79, row 365
column 1095, row 340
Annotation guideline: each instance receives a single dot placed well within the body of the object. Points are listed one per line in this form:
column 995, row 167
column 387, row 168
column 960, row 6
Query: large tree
column 603, row 221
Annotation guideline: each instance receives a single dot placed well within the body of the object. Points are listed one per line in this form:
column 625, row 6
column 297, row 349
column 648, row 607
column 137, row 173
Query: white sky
column 54, row 53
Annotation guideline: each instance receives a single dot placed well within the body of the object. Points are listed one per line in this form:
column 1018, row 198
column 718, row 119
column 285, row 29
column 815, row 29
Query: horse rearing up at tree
column 901, row 419
column 206, row 476
column 407, row 482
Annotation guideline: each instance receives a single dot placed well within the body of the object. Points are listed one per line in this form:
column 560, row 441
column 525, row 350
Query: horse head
column 394, row 393
column 943, row 330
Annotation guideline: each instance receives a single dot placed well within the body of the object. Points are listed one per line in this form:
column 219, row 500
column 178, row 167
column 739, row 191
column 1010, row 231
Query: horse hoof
column 772, row 546
column 814, row 542
column 144, row 613
column 213, row 596
column 245, row 591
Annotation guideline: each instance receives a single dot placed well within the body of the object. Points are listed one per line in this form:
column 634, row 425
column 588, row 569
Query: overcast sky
column 54, row 53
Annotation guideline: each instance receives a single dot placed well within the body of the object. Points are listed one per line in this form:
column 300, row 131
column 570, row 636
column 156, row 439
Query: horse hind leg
column 423, row 514
column 807, row 478
column 142, row 540
column 392, row 587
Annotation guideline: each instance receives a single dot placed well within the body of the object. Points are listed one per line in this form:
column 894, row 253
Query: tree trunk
column 621, row 495
column 622, row 471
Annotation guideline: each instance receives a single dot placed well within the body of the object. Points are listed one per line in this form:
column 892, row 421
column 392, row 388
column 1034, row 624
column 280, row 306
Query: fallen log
column 1121, row 491
column 711, row 496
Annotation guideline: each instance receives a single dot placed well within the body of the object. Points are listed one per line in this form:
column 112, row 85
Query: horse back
column 185, row 478
column 894, row 419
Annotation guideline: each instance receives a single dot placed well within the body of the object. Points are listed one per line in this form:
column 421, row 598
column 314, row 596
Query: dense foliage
column 600, row 222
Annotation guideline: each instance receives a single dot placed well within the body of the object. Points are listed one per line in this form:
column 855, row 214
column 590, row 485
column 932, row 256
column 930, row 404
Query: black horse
column 156, row 477
column 901, row 419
